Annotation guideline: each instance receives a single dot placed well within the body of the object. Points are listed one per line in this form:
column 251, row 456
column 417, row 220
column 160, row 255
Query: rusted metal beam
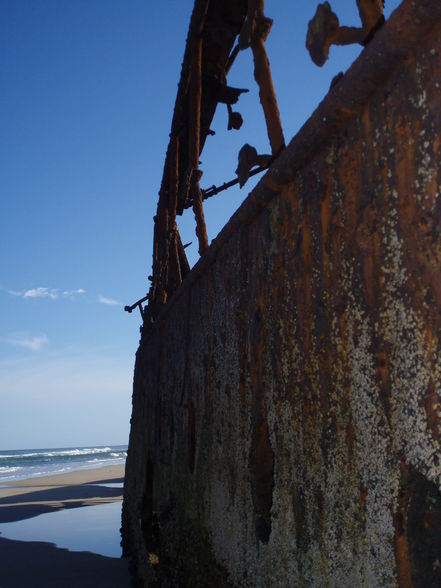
column 183, row 261
column 201, row 230
column 174, row 274
column 232, row 59
column 137, row 304
column 169, row 260
column 194, row 142
column 255, row 33
column 173, row 178
column 214, row 190
column 160, row 253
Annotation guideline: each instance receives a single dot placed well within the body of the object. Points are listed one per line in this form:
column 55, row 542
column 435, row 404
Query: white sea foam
column 43, row 462
column 61, row 453
column 9, row 470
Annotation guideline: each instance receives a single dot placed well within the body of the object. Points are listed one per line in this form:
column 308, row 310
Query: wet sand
column 43, row 565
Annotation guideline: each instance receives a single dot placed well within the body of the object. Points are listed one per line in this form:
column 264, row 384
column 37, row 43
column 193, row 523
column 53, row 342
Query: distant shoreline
column 74, row 480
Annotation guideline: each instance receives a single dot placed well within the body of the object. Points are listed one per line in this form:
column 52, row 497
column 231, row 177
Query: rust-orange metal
column 208, row 56
column 287, row 410
column 259, row 27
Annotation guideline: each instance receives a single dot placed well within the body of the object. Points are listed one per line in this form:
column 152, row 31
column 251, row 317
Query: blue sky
column 87, row 95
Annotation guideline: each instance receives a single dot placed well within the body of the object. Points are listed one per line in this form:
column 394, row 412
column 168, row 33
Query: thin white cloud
column 51, row 293
column 108, row 301
column 26, row 341
column 71, row 293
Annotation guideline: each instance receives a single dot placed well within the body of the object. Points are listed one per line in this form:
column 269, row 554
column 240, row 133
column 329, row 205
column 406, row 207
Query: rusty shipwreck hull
column 286, row 408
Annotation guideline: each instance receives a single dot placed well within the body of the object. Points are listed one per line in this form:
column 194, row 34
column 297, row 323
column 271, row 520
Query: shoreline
column 74, row 478
column 29, row 498
column 46, row 565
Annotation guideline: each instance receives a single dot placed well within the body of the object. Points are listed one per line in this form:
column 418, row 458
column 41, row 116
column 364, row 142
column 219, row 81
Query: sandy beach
column 40, row 564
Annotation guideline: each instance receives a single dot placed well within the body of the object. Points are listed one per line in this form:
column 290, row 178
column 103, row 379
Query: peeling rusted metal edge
column 408, row 25
column 199, row 10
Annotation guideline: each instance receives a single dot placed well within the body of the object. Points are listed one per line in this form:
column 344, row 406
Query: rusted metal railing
column 180, row 188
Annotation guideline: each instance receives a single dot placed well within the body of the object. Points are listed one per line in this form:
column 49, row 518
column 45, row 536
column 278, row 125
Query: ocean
column 31, row 463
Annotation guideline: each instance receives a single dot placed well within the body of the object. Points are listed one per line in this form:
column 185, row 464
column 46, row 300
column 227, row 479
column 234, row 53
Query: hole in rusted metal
column 262, row 480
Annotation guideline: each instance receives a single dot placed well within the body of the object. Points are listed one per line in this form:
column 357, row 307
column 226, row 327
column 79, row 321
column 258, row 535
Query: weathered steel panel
column 286, row 411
